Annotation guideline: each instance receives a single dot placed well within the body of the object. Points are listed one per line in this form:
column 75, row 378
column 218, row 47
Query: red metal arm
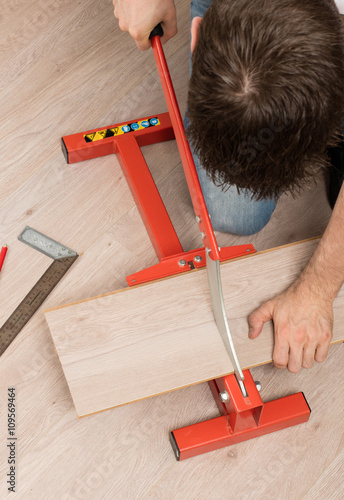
column 147, row 198
column 197, row 197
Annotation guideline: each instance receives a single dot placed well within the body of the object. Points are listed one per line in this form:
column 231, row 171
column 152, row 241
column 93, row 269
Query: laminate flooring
column 66, row 68
column 162, row 336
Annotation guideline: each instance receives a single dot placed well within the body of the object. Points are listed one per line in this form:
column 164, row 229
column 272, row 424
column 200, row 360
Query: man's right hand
column 139, row 18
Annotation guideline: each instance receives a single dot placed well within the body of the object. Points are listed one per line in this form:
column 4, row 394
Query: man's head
column 266, row 94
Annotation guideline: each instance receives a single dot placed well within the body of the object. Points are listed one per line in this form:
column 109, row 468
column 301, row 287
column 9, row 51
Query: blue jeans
column 230, row 211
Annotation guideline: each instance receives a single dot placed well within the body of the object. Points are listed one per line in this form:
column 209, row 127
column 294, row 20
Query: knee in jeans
column 256, row 224
column 240, row 225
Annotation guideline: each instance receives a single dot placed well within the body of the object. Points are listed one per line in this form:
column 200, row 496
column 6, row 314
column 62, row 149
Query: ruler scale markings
column 63, row 259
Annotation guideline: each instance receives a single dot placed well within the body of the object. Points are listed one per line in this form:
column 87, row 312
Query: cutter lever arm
column 201, row 211
column 188, row 163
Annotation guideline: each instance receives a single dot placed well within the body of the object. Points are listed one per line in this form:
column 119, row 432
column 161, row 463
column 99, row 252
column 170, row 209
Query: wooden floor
column 67, row 68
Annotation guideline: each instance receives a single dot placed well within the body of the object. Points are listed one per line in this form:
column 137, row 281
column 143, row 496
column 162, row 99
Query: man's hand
column 139, row 18
column 303, row 323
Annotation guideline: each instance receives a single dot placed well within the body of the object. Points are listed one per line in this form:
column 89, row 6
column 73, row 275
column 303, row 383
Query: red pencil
column 3, row 255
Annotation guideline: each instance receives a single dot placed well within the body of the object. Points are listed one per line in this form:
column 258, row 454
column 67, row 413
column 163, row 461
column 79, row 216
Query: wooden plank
column 139, row 342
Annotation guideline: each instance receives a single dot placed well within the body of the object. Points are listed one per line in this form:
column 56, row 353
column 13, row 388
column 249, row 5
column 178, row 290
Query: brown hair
column 266, row 94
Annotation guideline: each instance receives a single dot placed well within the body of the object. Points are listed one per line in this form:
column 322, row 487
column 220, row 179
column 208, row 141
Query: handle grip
column 157, row 31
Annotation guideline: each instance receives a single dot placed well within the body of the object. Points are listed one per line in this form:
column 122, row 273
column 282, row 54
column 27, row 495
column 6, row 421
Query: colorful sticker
column 123, row 129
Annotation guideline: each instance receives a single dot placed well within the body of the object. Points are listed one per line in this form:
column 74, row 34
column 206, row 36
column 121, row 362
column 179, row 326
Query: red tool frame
column 127, row 147
column 241, row 417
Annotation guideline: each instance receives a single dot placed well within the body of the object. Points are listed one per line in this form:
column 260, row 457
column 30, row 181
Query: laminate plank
column 162, row 336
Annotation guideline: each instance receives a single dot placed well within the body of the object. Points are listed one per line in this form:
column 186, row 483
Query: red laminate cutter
column 243, row 413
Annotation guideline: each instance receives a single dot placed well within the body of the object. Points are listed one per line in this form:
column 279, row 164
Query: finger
column 123, row 26
column 308, row 356
column 295, row 358
column 169, row 26
column 195, row 28
column 309, row 351
column 257, row 319
column 280, row 355
column 143, row 43
column 167, row 35
column 140, row 36
column 321, row 352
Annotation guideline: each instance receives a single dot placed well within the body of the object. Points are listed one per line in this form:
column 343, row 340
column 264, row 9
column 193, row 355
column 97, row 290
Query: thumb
column 260, row 316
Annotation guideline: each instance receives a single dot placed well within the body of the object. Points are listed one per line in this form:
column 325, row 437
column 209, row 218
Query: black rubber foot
column 175, row 447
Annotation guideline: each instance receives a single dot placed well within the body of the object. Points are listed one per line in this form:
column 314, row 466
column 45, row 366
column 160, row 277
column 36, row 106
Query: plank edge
column 176, row 388
column 175, row 276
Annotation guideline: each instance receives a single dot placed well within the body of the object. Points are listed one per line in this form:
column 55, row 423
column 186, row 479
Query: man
column 303, row 314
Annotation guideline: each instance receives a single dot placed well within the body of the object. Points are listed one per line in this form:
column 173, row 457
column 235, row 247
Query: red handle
column 188, row 163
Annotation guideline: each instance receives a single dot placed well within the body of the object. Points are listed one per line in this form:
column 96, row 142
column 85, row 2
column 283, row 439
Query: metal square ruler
column 63, row 257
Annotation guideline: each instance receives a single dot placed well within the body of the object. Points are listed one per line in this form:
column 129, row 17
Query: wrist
column 313, row 282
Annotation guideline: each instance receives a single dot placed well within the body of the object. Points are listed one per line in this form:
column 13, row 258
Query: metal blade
column 214, row 280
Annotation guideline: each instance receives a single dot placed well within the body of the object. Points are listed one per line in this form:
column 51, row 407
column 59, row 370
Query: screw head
column 258, row 385
column 198, row 258
column 202, row 235
column 182, row 263
column 224, row 396
column 198, row 219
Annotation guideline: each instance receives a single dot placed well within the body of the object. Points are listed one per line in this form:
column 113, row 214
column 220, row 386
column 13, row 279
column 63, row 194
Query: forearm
column 324, row 274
